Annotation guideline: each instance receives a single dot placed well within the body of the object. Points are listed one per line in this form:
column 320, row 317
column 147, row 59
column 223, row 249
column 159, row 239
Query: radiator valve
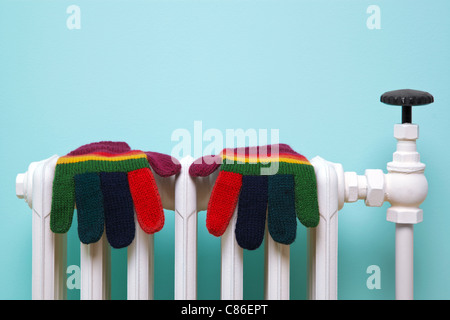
column 406, row 185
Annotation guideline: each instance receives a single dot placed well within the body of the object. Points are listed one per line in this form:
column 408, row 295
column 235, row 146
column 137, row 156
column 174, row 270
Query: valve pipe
column 404, row 261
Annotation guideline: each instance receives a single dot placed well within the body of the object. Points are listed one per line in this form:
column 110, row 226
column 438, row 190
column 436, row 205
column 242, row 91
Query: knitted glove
column 108, row 181
column 287, row 192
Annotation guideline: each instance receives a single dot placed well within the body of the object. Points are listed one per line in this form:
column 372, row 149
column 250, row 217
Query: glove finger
column 222, row 203
column 118, row 209
column 89, row 200
column 204, row 166
column 63, row 201
column 252, row 209
column 281, row 217
column 306, row 203
column 163, row 164
column 147, row 202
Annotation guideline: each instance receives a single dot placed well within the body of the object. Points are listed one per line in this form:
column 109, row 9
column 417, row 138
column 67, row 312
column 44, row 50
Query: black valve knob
column 406, row 98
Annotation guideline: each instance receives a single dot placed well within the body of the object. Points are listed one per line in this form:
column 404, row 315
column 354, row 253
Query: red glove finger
column 146, row 199
column 222, row 203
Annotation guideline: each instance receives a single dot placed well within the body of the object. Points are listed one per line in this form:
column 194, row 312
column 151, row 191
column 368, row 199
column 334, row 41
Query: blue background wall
column 138, row 70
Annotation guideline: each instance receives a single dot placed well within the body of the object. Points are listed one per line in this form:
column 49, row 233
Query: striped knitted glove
column 108, row 181
column 271, row 179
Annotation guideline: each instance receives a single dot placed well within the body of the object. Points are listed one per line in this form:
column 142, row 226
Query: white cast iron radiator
column 404, row 187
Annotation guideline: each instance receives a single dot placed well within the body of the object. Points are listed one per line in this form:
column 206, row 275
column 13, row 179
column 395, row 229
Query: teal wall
column 138, row 70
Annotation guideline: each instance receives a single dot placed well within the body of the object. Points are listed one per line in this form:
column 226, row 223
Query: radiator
column 404, row 186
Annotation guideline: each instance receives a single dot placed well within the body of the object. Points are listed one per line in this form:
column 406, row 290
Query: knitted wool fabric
column 89, row 198
column 251, row 218
column 281, row 208
column 291, row 191
column 118, row 204
column 227, row 186
column 109, row 181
